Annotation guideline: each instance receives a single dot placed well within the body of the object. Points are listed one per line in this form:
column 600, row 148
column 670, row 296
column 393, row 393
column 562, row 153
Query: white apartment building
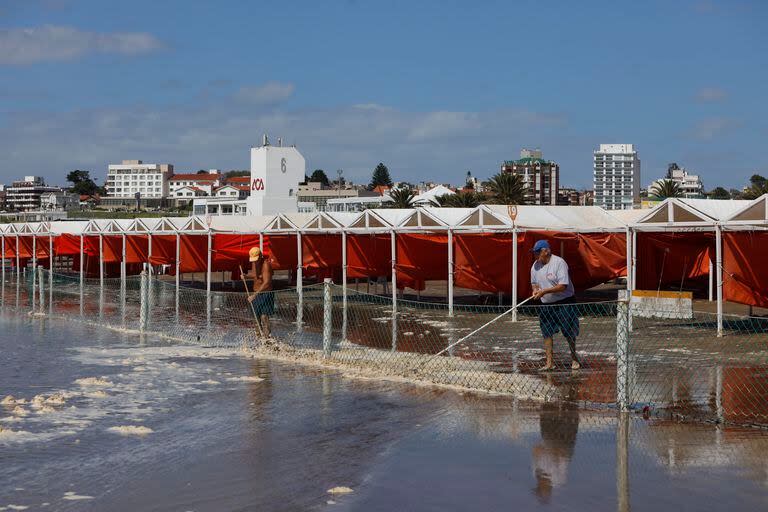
column 205, row 181
column 127, row 179
column 24, row 195
column 616, row 176
column 691, row 185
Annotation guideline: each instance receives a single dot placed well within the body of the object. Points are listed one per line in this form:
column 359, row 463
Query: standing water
column 97, row 420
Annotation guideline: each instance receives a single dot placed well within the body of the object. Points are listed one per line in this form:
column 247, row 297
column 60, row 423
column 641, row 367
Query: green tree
column 719, row 193
column 506, row 188
column 319, row 176
column 441, row 201
column 401, row 198
column 469, row 199
column 665, row 188
column 82, row 183
column 758, row 185
column 235, row 173
column 380, row 176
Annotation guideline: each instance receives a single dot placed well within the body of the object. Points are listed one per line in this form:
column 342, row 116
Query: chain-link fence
column 662, row 363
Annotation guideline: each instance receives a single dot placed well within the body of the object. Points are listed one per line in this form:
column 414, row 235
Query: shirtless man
column 262, row 298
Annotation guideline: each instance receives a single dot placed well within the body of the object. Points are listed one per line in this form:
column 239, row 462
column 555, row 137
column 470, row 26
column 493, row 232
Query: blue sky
column 432, row 89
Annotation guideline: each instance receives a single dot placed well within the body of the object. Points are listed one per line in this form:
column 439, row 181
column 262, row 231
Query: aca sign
column 257, row 184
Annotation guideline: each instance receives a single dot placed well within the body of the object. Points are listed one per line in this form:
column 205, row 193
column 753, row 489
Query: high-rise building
column 24, row 195
column 134, row 176
column 616, row 176
column 540, row 177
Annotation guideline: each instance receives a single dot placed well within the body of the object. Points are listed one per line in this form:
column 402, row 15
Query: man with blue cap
column 552, row 285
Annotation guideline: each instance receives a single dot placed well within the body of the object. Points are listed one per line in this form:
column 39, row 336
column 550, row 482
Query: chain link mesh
column 673, row 367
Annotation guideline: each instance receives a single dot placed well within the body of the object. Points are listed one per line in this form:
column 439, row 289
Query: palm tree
column 441, row 201
column 663, row 189
column 506, row 188
column 758, row 186
column 401, row 198
column 464, row 200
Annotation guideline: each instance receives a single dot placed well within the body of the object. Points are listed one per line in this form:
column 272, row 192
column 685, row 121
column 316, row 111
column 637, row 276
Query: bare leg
column 265, row 326
column 575, row 364
column 550, row 364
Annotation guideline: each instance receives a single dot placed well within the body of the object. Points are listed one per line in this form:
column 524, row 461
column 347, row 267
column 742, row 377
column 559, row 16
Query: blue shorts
column 264, row 303
column 562, row 316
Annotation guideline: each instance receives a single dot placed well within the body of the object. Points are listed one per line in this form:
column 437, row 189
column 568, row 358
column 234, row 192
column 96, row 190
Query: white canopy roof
column 427, row 197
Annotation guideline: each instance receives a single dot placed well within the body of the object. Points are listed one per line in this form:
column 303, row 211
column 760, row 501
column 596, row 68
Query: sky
column 432, row 89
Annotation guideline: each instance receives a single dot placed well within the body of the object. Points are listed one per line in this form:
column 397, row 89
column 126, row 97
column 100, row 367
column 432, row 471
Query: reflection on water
column 229, row 432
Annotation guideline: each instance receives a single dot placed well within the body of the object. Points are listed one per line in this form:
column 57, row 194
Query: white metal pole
column 261, row 242
column 3, row 238
column 123, row 270
column 82, row 267
column 630, row 260
column 450, row 272
column 101, row 261
column 344, row 285
column 711, row 281
column 393, row 248
column 299, row 265
column 18, row 258
column 34, row 252
column 208, row 279
column 50, row 272
column 514, row 274
column 299, row 284
column 719, row 270
column 634, row 260
column 178, row 272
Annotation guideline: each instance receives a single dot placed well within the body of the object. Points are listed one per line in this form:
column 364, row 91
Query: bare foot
column 575, row 365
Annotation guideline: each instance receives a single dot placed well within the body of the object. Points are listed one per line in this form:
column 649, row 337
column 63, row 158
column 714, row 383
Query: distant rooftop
column 527, row 161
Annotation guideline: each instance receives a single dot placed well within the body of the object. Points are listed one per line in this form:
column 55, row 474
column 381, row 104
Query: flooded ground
column 105, row 421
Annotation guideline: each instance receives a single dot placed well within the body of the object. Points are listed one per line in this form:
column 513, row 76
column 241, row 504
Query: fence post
column 327, row 316
column 622, row 352
column 41, row 290
column 144, row 305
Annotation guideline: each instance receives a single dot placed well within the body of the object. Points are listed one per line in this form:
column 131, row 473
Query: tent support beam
column 101, row 261
column 344, row 285
column 719, row 269
column 123, row 269
column 514, row 274
column 711, row 287
column 208, row 281
column 450, row 272
column 18, row 259
column 634, row 260
column 299, row 283
column 393, row 248
column 178, row 273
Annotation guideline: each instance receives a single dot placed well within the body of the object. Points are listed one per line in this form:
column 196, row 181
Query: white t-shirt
column 555, row 272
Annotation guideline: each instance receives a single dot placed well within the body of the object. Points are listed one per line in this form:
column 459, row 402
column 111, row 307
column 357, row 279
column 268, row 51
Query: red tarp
column 112, row 246
column 369, row 255
column 10, row 248
column 484, row 261
column 321, row 256
column 421, row 258
column 66, row 245
column 25, row 247
column 136, row 249
column 230, row 250
column 745, row 273
column 193, row 253
column 672, row 259
column 164, row 251
column 282, row 250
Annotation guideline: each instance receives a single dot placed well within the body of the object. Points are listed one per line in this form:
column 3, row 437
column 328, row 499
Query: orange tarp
column 484, row 261
column 10, row 248
column 164, row 250
column 112, row 246
column 66, row 245
column 421, row 258
column 231, row 250
column 672, row 259
column 282, row 250
column 193, row 253
column 369, row 255
column 745, row 274
column 321, row 256
column 25, row 247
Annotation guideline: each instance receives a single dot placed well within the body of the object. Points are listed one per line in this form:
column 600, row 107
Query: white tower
column 276, row 172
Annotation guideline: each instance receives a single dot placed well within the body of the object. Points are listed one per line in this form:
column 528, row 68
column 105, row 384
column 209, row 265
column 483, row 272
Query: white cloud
column 711, row 94
column 265, row 94
column 708, row 129
column 415, row 145
column 58, row 43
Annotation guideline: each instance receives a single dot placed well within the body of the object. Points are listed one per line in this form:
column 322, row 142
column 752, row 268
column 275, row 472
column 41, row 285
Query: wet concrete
column 222, row 439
